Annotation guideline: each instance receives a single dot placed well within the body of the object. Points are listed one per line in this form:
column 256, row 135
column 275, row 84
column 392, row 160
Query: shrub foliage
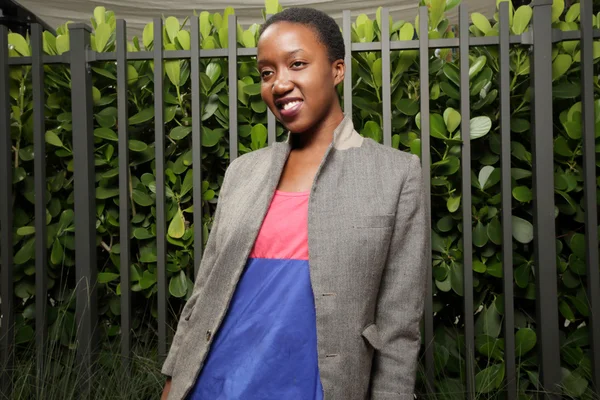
column 445, row 149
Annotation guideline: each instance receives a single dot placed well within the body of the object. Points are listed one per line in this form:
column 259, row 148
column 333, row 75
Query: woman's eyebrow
column 289, row 54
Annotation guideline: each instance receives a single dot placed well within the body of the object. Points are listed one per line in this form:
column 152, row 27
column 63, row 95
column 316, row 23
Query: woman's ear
column 339, row 71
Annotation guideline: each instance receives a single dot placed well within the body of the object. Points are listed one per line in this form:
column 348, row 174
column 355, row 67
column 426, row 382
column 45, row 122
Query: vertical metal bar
column 196, row 143
column 426, row 168
column 39, row 143
column 271, row 121
column 233, row 91
column 543, row 216
column 124, row 199
column 505, row 155
column 6, row 223
column 161, row 215
column 386, row 83
column 347, row 33
column 589, row 184
column 85, row 201
column 465, row 111
column 271, row 127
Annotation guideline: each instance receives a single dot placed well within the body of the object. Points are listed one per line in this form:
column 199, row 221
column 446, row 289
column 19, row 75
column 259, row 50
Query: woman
column 260, row 323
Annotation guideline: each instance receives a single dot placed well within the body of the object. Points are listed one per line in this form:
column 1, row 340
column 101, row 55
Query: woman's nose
column 282, row 85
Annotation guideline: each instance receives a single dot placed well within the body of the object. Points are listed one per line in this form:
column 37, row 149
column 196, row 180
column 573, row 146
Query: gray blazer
column 367, row 241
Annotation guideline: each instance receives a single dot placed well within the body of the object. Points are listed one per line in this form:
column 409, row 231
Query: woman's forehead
column 288, row 39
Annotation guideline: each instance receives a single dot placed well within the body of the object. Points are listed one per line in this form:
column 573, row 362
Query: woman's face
column 297, row 79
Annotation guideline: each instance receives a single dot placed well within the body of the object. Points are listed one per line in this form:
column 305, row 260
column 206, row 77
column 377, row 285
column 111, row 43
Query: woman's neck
column 321, row 135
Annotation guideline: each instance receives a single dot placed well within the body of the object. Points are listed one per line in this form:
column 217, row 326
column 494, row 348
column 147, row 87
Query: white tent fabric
column 138, row 13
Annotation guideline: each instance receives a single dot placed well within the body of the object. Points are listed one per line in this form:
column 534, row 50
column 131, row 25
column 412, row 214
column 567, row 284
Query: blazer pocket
column 373, row 221
column 371, row 334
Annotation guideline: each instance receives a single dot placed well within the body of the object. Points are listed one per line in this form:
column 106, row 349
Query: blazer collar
column 344, row 136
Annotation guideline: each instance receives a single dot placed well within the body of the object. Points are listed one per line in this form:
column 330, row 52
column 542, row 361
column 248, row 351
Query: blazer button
column 208, row 335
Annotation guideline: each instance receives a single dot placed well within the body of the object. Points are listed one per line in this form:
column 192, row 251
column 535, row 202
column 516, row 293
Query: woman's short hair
column 327, row 30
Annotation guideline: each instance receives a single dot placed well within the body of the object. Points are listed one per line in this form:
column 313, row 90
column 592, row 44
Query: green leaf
column 57, row 254
column 480, row 126
column 142, row 198
column 25, row 253
column 452, row 73
column 106, row 133
column 142, row 234
column 106, row 277
column 480, row 237
column 148, row 35
column 177, row 225
column 573, row 383
column 407, row 32
column 494, row 231
column 184, row 39
column 138, row 146
column 438, row 126
column 490, row 378
column 103, row 32
column 453, row 203
column 521, row 19
column 521, row 275
column 103, row 193
column 210, row 137
column 252, row 90
column 143, row 116
column 481, row 22
column 408, row 107
column 271, row 7
column 452, row 119
column 525, row 341
column 577, row 245
column 180, row 132
column 62, row 44
column 178, row 285
column 522, row 194
column 561, row 65
column 148, row 280
column 26, row 230
column 522, row 230
column 573, row 12
column 558, row 6
column 489, row 321
column 484, row 175
column 213, row 71
column 173, row 70
column 53, row 139
column 477, row 66
column 172, row 27
column 19, row 43
column 519, row 125
column 249, row 39
column 259, row 136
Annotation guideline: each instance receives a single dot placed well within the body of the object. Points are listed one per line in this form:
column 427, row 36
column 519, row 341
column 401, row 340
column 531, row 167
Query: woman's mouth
column 291, row 108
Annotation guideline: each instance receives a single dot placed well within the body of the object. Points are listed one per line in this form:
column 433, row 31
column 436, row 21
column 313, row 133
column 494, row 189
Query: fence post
column 85, row 200
column 39, row 143
column 589, row 182
column 6, row 237
column 543, row 216
column 233, row 90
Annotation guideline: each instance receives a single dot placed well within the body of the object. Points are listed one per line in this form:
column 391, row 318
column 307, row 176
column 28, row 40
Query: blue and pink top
column 266, row 347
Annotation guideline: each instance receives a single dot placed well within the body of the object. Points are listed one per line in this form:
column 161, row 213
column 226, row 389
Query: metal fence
column 540, row 39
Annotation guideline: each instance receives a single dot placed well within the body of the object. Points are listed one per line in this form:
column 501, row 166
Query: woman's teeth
column 291, row 104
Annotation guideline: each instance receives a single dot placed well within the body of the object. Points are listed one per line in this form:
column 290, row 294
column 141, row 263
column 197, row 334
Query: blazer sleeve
column 208, row 259
column 401, row 294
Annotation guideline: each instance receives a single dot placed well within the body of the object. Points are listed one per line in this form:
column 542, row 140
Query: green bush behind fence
column 367, row 115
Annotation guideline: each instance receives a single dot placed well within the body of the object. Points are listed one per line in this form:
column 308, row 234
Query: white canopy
column 138, row 13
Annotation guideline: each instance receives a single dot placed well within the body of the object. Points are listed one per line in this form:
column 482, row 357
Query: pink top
column 284, row 232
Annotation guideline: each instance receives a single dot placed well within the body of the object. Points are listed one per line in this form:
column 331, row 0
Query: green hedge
column 367, row 115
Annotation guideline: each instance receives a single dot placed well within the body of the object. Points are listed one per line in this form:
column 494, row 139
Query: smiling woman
column 312, row 282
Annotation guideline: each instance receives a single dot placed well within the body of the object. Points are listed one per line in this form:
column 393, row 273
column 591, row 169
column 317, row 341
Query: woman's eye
column 265, row 74
column 298, row 64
